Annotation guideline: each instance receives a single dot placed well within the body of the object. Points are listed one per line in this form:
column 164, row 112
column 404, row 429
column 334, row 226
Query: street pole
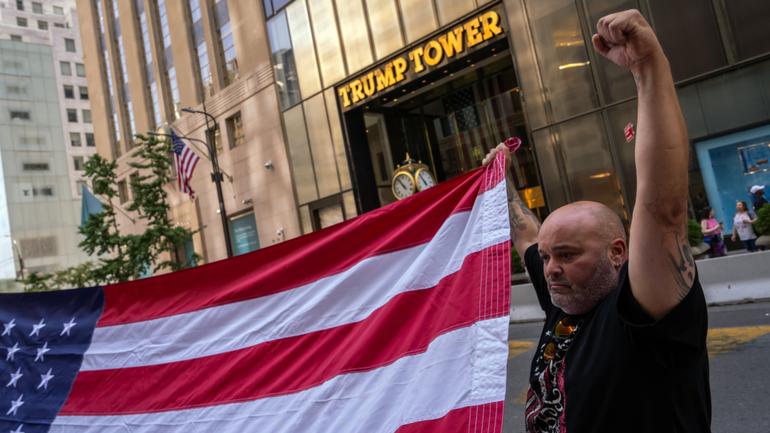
column 216, row 175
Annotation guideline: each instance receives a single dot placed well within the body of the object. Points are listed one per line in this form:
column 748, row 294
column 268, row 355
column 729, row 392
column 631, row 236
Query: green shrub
column 762, row 226
column 694, row 233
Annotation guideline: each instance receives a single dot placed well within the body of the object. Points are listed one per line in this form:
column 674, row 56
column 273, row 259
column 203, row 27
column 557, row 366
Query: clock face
column 425, row 179
column 403, row 185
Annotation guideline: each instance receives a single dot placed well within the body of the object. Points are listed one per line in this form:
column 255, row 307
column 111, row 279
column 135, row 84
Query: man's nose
column 552, row 269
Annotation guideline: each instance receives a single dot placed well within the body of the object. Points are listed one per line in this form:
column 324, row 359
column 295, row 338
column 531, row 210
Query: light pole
column 216, row 175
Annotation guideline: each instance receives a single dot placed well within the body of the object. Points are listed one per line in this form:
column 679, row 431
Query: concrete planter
column 763, row 241
column 700, row 250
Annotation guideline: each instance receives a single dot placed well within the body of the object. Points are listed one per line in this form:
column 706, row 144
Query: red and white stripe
column 393, row 322
column 185, row 166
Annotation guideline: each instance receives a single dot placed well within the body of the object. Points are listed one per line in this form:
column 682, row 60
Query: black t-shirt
column 614, row 369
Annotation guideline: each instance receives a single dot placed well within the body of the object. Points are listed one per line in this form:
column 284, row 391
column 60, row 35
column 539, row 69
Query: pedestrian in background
column 742, row 226
column 758, row 196
column 712, row 233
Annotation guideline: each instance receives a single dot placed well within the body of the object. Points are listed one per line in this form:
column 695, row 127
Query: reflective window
column 22, row 22
column 69, row 45
column 450, row 10
column 283, row 61
column 37, row 7
column 321, row 146
column 42, row 25
column 299, row 155
column 615, row 82
column 108, row 71
column 564, row 64
column 69, row 92
column 545, row 149
column 327, row 41
column 123, row 70
column 65, row 68
column 383, row 21
column 688, row 32
column 304, row 52
column 86, row 116
column 587, row 162
column 748, row 20
column 227, row 40
column 419, row 18
column 168, row 55
column 80, row 69
column 199, row 41
column 619, row 116
column 90, row 142
column 355, row 35
column 337, row 139
column 72, row 115
column 147, row 54
column 75, row 140
column 83, row 92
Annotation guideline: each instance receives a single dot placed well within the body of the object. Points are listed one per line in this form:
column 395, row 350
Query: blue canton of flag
column 44, row 336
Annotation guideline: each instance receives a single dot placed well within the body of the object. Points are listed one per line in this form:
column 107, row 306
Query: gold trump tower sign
column 446, row 46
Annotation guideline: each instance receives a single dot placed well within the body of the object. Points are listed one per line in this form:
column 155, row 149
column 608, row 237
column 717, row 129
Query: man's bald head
column 590, row 217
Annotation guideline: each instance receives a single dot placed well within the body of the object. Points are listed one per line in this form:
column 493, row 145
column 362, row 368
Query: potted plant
column 695, row 239
column 762, row 226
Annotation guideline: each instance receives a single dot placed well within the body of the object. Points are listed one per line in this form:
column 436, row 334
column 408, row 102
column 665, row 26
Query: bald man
column 623, row 348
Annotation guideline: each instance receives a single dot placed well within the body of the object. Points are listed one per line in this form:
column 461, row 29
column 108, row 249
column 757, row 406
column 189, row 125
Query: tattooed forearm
column 520, row 216
column 683, row 266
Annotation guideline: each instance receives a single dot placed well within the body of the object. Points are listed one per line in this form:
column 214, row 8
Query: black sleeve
column 534, row 265
column 682, row 330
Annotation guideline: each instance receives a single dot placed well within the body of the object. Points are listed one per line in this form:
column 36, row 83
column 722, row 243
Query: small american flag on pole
column 186, row 160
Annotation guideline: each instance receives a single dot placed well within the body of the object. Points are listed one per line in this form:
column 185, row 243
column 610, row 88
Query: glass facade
column 199, row 41
column 170, row 69
column 226, row 40
column 149, row 69
column 113, row 112
column 576, row 103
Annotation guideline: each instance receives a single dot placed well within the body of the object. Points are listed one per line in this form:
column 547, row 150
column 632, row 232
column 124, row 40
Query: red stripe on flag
column 297, row 363
column 298, row 261
column 485, row 418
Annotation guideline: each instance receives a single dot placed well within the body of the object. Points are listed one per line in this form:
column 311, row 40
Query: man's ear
column 618, row 252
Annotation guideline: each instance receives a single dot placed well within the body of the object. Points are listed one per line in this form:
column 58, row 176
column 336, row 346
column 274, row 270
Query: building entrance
column 448, row 120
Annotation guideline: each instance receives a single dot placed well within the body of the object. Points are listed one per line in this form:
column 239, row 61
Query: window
column 21, row 115
column 36, row 140
column 58, row 10
column 235, row 130
column 83, row 92
column 11, row 89
column 226, row 40
column 90, row 139
column 72, row 115
column 42, row 25
column 37, row 7
column 122, row 191
column 16, row 38
column 80, row 69
column 33, row 248
column 283, row 58
column 86, row 116
column 69, row 92
column 688, row 32
column 78, row 162
column 59, row 25
column 21, row 21
column 69, row 45
column 20, row 5
column 65, row 68
column 35, row 166
column 75, row 139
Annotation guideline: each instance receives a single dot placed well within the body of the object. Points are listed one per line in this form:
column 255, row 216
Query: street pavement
column 739, row 352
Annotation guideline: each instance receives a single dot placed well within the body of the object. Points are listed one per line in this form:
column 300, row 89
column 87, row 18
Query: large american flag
column 395, row 321
column 185, row 161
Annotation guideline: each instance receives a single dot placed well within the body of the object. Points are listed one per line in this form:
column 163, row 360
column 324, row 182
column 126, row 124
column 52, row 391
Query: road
column 739, row 352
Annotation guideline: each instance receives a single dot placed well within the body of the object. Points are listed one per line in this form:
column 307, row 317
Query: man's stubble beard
column 603, row 281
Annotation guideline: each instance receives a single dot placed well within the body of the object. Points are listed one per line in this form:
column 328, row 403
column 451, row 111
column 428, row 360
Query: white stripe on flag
column 324, row 304
column 414, row 388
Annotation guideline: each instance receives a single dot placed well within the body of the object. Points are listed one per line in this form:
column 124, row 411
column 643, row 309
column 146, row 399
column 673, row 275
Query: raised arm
column 524, row 224
column 661, row 266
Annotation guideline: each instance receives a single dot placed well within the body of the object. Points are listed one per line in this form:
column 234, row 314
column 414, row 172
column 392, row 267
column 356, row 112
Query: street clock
column 410, row 177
